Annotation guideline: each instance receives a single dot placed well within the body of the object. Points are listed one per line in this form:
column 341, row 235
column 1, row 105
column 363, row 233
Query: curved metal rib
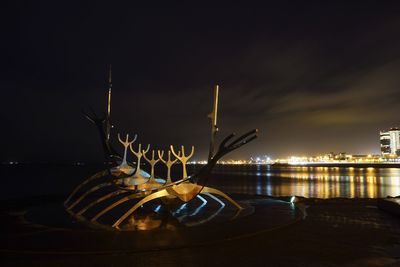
column 201, row 177
column 207, row 190
column 97, row 201
column 91, row 178
column 151, row 197
column 117, row 203
column 212, row 216
column 91, row 190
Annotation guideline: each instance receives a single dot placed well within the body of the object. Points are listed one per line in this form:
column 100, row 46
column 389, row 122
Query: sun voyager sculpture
column 111, row 197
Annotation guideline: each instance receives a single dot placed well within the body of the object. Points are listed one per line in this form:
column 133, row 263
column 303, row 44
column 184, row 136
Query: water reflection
column 321, row 182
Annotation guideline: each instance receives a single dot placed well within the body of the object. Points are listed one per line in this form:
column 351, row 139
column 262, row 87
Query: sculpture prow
column 101, row 123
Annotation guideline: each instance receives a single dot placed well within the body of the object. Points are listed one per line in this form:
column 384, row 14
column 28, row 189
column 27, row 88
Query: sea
column 26, row 180
column 310, row 182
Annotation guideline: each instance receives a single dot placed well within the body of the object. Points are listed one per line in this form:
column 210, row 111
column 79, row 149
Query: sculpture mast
column 213, row 117
column 108, row 123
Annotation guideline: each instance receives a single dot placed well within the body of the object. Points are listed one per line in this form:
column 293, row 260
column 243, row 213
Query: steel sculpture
column 188, row 188
column 182, row 158
column 153, row 182
column 168, row 163
column 138, row 177
column 152, row 162
column 101, row 123
column 122, row 184
column 214, row 127
column 108, row 122
column 124, row 166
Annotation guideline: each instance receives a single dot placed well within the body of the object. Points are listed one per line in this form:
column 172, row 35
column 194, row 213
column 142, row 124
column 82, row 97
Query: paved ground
column 335, row 232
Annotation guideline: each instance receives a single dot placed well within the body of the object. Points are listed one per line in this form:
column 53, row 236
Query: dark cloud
column 313, row 77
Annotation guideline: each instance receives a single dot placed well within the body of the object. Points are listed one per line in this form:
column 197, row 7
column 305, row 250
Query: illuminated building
column 390, row 142
column 385, row 142
column 395, row 141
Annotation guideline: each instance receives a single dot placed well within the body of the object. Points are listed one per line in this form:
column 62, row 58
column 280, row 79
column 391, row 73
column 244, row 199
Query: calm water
column 321, row 182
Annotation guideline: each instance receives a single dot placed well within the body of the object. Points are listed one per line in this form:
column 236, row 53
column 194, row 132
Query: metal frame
column 135, row 185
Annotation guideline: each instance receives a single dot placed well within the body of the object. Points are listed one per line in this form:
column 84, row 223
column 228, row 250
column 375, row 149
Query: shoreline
column 341, row 165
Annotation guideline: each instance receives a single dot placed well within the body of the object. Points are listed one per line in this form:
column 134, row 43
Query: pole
column 109, row 105
column 213, row 117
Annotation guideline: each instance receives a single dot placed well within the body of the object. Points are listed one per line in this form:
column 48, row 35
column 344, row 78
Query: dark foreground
column 334, row 232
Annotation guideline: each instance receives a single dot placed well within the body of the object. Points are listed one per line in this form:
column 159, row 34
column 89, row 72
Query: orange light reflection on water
column 340, row 182
column 320, row 182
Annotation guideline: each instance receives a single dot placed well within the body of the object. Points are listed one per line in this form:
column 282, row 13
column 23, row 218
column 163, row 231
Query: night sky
column 313, row 77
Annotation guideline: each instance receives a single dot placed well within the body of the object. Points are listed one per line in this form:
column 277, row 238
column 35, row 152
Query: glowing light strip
column 201, row 206
column 158, row 208
column 213, row 215
column 180, row 209
column 216, row 199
